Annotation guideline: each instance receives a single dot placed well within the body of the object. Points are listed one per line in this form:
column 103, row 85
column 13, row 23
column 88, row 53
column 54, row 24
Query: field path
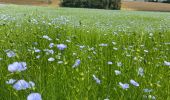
column 145, row 6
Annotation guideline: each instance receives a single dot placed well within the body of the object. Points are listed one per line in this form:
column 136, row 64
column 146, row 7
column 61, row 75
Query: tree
column 106, row 4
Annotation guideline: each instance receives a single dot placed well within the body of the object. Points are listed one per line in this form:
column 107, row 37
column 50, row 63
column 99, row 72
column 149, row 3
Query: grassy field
column 106, row 54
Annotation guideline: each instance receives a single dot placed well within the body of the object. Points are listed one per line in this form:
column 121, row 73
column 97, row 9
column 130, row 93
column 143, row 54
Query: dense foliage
column 106, row 4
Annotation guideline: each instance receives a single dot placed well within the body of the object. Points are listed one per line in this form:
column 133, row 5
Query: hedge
column 102, row 4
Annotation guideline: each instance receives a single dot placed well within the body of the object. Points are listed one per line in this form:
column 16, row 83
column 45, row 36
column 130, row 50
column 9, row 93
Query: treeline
column 163, row 1
column 101, row 4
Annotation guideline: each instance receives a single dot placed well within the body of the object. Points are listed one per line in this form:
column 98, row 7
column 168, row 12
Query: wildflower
column 96, row 79
column 10, row 54
column 140, row 71
column 166, row 63
column 57, row 39
column 151, row 97
column 103, row 45
column 94, row 52
column 10, row 81
column 115, row 33
column 31, row 84
column 35, row 43
column 21, row 85
column 60, row 62
column 77, row 63
column 17, row 66
column 115, row 48
column 117, row 72
column 38, row 56
column 124, row 86
column 51, row 45
column 51, row 59
column 114, row 43
column 147, row 90
column 74, row 54
column 46, row 37
column 119, row 64
column 109, row 63
column 167, row 43
column 68, row 41
column 134, row 83
column 92, row 48
column 50, row 52
column 151, row 34
column 146, row 51
column 81, row 47
column 61, row 46
column 37, row 50
column 34, row 96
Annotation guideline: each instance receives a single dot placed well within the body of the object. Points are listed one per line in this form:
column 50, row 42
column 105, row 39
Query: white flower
column 51, row 59
column 146, row 51
column 117, row 72
column 166, row 63
column 96, row 79
column 109, row 63
column 114, row 43
column 81, row 47
column 119, row 64
column 140, row 71
column 38, row 56
column 68, row 41
column 103, row 45
column 60, row 62
column 32, row 84
column 46, row 37
column 51, row 45
column 115, row 48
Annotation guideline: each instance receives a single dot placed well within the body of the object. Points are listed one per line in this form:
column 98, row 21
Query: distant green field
column 84, row 54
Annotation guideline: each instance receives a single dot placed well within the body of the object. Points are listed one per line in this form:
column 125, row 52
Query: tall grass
column 103, row 41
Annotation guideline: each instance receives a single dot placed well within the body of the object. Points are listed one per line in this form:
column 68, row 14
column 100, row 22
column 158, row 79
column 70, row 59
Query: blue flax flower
column 124, row 86
column 11, row 81
column 134, row 83
column 61, row 46
column 77, row 63
column 17, row 66
column 10, row 53
column 34, row 96
column 21, row 85
column 96, row 79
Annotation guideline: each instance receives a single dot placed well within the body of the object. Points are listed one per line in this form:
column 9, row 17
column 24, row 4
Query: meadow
column 84, row 54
